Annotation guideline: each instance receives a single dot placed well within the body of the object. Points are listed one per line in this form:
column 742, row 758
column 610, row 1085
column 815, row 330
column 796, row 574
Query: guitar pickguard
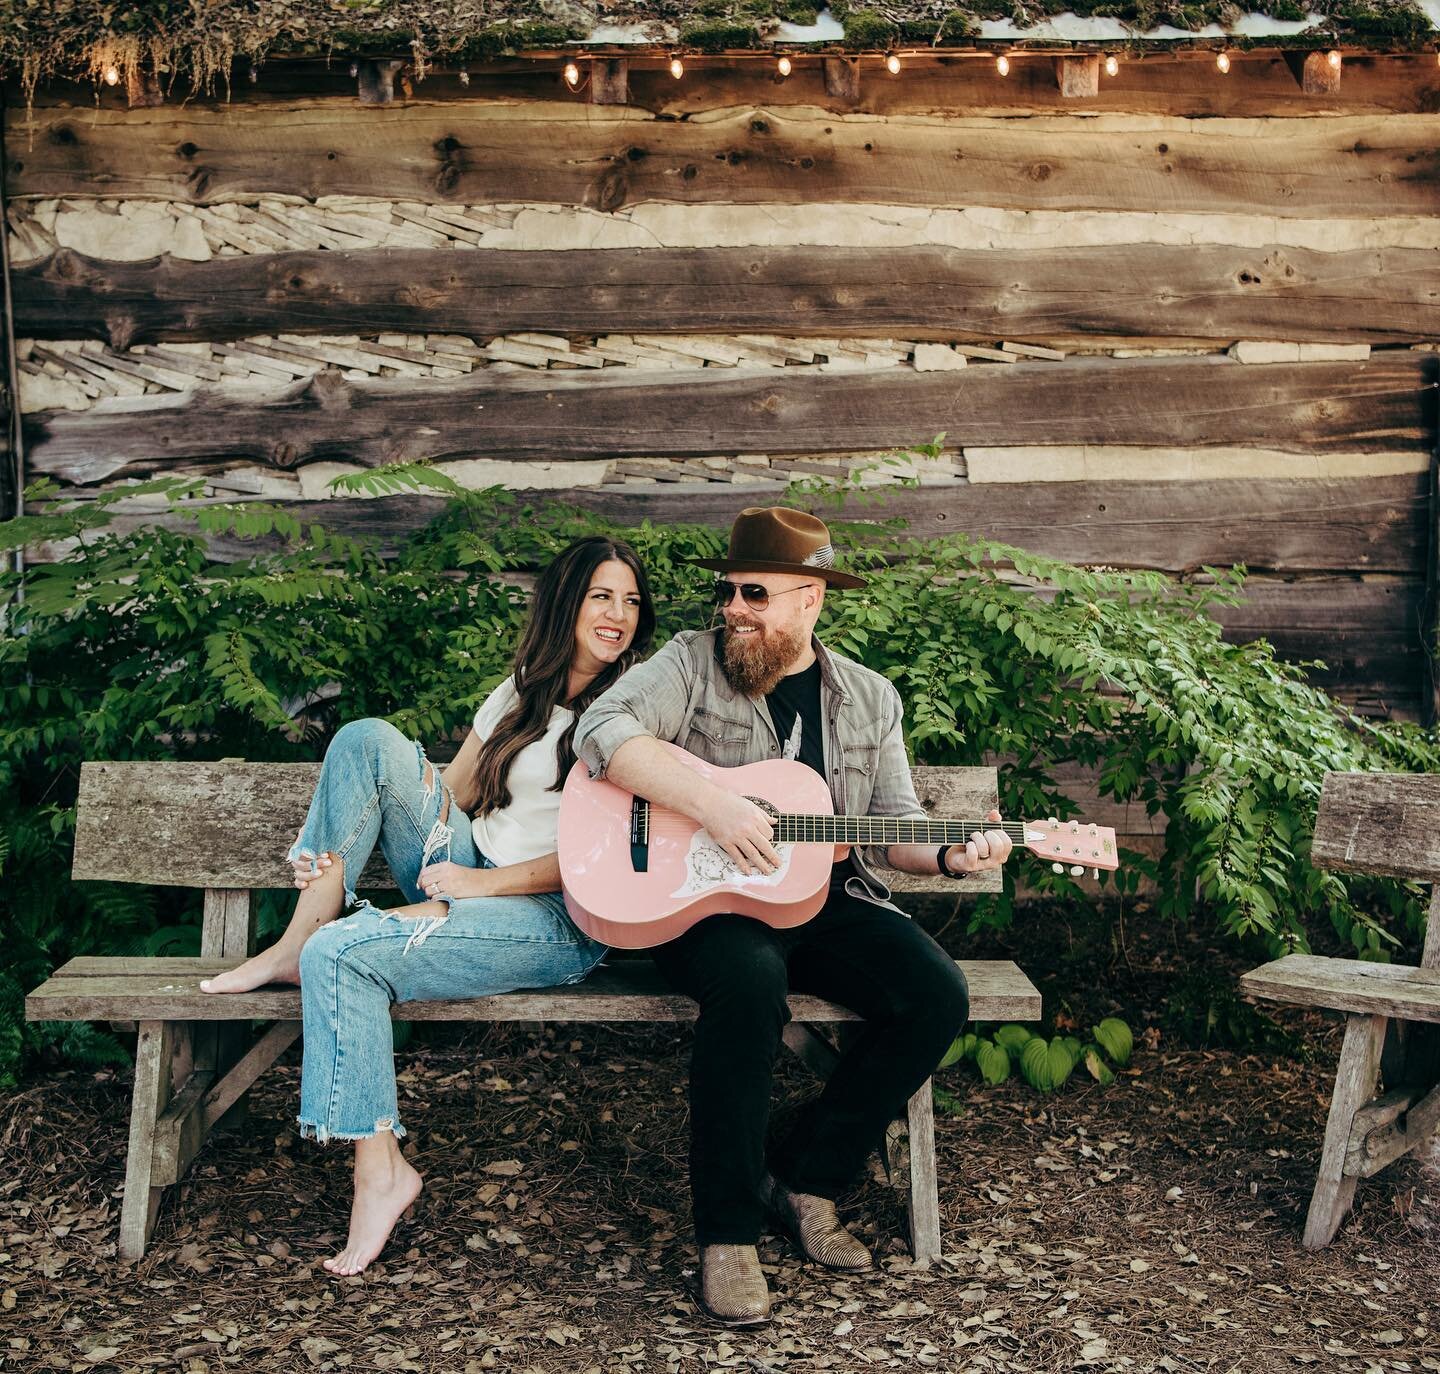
column 707, row 866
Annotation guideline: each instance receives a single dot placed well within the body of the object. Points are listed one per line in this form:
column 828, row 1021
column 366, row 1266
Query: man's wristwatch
column 943, row 867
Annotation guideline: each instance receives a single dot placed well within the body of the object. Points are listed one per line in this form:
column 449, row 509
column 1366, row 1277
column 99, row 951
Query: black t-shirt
column 794, row 708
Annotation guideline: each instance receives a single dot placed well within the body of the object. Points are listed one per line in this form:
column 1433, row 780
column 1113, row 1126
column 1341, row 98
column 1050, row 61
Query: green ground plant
column 134, row 646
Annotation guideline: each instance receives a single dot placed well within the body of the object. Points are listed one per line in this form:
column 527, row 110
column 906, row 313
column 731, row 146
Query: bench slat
column 1383, row 823
column 98, row 989
column 229, row 824
column 1351, row 985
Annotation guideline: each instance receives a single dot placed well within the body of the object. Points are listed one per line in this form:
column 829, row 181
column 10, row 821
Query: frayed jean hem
column 323, row 1135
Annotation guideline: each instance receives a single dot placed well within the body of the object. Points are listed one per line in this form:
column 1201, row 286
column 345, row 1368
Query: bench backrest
column 1387, row 824
column 228, row 825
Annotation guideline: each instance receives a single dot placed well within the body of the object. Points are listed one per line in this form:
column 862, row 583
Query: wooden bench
column 1387, row 824
column 225, row 827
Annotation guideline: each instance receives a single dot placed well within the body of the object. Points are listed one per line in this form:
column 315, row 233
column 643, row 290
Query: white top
column 526, row 828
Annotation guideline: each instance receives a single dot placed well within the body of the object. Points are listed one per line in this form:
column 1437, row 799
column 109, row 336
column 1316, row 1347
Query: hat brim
column 832, row 577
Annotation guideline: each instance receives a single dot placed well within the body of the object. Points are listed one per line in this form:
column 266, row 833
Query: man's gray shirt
column 681, row 695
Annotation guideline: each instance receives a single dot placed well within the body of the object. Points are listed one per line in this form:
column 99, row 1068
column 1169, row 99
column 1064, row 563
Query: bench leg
column 1354, row 1087
column 153, row 1055
column 924, row 1197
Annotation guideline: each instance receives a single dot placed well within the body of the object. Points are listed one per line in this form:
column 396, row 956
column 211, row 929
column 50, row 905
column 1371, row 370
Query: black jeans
column 873, row 960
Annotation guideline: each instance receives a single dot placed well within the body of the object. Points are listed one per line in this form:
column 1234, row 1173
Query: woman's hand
column 308, row 871
column 452, row 880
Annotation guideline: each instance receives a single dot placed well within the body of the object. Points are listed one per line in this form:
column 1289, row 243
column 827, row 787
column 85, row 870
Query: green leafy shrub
column 1044, row 1064
column 133, row 646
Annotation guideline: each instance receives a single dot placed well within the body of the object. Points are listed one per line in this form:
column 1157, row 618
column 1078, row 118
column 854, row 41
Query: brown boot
column 815, row 1227
column 732, row 1289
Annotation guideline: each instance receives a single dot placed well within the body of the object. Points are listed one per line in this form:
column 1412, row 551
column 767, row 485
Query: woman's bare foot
column 278, row 964
column 383, row 1190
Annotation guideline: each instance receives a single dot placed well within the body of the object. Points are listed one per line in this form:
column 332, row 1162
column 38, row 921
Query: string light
column 1002, row 65
column 354, row 69
column 892, row 64
column 1334, row 59
column 784, row 66
column 464, row 75
column 1222, row 61
column 1112, row 64
column 677, row 68
column 572, row 75
column 112, row 75
column 254, row 74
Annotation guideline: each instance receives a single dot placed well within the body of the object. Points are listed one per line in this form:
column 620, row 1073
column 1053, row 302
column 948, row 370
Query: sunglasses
column 756, row 596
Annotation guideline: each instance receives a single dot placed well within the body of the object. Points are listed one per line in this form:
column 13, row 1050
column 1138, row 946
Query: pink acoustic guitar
column 637, row 875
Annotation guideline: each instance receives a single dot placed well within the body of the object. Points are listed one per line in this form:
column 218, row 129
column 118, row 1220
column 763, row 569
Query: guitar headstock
column 1076, row 845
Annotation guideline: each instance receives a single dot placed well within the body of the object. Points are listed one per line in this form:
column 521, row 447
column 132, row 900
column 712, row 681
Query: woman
column 474, row 853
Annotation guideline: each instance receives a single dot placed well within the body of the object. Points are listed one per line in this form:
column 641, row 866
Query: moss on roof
column 195, row 42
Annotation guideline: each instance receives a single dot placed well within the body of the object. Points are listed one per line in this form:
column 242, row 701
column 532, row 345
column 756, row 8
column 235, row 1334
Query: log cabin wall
column 1190, row 321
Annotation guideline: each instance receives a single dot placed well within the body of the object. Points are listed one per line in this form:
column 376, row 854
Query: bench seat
column 119, row 989
column 1351, row 985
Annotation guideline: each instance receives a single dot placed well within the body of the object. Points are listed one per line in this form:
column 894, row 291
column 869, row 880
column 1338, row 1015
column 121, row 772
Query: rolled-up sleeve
column 649, row 700
column 893, row 793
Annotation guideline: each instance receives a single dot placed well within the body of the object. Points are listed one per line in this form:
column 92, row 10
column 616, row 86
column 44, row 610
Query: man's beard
column 754, row 664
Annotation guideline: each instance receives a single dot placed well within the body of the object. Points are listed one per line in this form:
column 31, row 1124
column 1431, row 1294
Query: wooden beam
column 150, row 1097
column 1175, row 84
column 1281, row 526
column 1211, row 293
column 1078, row 77
column 479, row 153
column 1377, row 405
column 609, row 81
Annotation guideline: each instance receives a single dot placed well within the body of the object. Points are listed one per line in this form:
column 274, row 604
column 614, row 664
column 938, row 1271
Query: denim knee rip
column 440, row 837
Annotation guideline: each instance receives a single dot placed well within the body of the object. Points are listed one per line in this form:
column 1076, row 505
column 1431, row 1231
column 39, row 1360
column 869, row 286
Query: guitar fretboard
column 791, row 828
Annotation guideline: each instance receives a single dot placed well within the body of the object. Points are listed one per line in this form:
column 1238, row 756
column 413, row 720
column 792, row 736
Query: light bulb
column 254, row 74
column 464, row 75
column 572, row 75
column 112, row 75
column 1112, row 64
column 354, row 69
column 677, row 68
column 784, row 66
column 892, row 65
column 1334, row 59
column 1002, row 65
column 1222, row 61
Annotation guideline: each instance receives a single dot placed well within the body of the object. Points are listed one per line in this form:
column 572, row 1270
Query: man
column 762, row 686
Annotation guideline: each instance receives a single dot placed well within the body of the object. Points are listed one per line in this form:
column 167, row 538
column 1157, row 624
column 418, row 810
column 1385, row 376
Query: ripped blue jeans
column 372, row 789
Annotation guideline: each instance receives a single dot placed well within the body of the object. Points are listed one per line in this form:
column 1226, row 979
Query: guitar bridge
column 640, row 835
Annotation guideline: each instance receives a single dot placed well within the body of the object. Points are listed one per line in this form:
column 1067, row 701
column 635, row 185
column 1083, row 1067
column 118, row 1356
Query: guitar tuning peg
column 1053, row 821
column 1095, row 872
column 1077, row 870
column 1057, row 868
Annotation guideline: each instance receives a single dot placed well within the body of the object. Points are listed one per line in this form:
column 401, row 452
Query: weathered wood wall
column 1189, row 323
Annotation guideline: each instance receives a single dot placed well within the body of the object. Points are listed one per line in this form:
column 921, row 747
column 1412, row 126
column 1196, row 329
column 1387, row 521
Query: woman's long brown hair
column 542, row 665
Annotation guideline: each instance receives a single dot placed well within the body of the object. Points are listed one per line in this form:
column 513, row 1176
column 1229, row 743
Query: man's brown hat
column 766, row 539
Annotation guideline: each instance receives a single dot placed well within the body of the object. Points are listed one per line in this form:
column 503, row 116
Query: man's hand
column 989, row 849
column 452, row 880
column 742, row 830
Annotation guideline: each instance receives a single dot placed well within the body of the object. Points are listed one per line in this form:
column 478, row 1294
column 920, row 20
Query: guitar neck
column 791, row 828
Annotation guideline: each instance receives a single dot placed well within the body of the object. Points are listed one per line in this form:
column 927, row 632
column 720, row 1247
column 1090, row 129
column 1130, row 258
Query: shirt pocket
column 718, row 739
column 860, row 764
